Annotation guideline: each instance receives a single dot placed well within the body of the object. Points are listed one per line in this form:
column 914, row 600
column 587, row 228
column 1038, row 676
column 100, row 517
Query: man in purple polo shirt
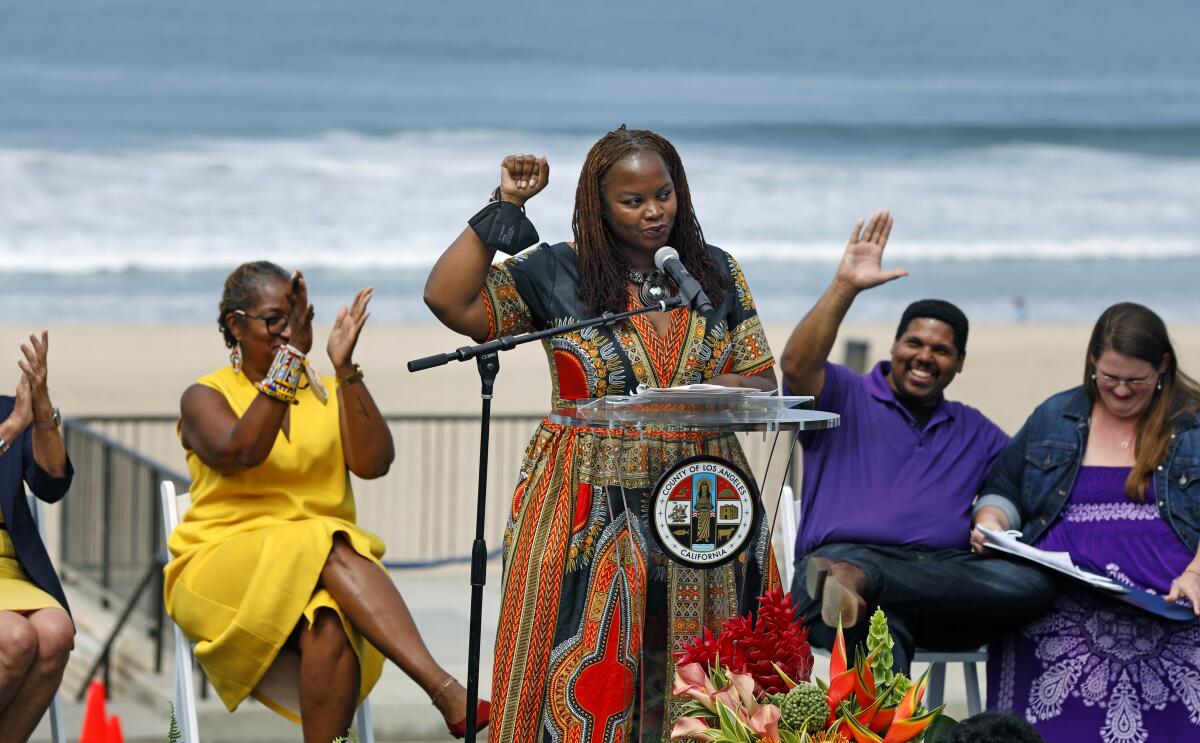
column 886, row 502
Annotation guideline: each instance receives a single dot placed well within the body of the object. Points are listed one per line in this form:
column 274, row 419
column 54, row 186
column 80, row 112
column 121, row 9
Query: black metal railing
column 111, row 531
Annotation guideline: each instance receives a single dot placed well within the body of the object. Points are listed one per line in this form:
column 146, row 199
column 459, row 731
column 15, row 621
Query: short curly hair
column 241, row 291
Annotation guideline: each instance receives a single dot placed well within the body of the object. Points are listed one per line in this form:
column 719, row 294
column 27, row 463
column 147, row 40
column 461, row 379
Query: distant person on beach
column 1110, row 472
column 1020, row 310
column 584, row 650
column 36, row 632
column 268, row 562
column 886, row 501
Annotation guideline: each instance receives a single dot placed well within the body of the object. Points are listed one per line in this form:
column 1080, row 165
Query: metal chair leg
column 362, row 722
column 185, row 690
column 937, row 684
column 56, row 723
column 971, row 676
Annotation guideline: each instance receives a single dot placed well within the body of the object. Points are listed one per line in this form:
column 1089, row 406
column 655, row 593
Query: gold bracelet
column 354, row 378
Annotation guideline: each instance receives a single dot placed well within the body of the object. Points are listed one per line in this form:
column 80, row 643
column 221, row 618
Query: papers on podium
column 702, row 389
column 1008, row 542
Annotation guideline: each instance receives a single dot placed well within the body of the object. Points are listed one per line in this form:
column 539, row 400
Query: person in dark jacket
column 36, row 632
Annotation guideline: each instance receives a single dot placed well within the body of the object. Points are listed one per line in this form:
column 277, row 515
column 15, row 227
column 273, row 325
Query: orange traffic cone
column 114, row 730
column 95, row 718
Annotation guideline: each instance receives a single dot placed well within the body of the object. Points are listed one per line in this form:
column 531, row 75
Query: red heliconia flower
column 777, row 638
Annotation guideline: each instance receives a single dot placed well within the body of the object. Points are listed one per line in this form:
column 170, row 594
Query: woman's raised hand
column 862, row 263
column 522, row 177
column 301, row 316
column 344, row 335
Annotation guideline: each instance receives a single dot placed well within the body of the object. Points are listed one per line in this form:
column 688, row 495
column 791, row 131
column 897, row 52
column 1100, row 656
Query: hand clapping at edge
column 22, row 414
column 34, row 374
column 522, row 177
column 862, row 263
column 346, row 329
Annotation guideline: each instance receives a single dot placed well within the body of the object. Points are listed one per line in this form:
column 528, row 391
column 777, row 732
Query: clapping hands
column 346, row 329
column 301, row 316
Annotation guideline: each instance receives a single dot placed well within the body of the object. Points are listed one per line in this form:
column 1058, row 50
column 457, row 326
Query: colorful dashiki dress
column 592, row 611
column 1092, row 668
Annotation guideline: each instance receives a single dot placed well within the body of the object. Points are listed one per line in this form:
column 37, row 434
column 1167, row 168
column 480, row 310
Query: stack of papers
column 702, row 389
column 1007, row 541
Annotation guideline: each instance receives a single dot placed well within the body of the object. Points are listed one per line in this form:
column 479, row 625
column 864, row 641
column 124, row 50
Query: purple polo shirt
column 879, row 479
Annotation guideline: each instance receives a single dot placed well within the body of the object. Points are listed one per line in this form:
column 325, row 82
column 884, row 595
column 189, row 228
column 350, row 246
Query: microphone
column 667, row 260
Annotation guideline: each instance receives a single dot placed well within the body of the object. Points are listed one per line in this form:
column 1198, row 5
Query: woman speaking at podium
column 592, row 611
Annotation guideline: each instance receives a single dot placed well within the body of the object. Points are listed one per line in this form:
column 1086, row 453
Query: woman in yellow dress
column 282, row 592
column 36, row 633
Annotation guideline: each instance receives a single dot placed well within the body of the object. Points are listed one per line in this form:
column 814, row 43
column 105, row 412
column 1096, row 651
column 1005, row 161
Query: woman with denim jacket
column 1109, row 472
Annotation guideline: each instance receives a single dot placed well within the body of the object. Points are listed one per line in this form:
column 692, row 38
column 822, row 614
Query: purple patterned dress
column 1094, row 669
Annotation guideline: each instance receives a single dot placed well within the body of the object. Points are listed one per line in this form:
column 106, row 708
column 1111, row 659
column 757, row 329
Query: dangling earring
column 1093, row 377
column 235, row 358
column 1159, row 387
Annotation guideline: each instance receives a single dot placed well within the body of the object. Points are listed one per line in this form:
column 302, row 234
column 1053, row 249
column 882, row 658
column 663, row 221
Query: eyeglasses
column 1109, row 382
column 275, row 324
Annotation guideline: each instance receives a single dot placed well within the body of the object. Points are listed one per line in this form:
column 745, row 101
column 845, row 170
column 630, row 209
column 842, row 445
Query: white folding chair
column 56, row 723
column 185, row 682
column 788, row 525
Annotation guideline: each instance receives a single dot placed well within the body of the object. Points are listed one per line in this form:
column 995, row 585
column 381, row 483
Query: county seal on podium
column 703, row 511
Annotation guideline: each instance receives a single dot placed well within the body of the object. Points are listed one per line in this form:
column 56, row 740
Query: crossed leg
column 376, row 609
column 34, row 649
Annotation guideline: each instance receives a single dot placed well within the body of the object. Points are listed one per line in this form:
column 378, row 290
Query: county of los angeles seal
column 703, row 511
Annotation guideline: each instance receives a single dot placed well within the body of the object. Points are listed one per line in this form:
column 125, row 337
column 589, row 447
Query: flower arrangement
column 750, row 684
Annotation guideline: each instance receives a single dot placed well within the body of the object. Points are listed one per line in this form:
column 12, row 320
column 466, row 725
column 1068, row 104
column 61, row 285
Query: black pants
column 936, row 599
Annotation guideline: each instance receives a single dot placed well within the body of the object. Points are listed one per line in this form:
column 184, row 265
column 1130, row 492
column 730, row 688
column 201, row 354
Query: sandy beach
column 115, row 370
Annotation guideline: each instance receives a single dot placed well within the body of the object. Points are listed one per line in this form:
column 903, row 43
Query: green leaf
column 731, row 725
column 939, row 729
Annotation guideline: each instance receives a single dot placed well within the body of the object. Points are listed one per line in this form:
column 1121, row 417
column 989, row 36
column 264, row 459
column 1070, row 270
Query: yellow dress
column 17, row 592
column 248, row 553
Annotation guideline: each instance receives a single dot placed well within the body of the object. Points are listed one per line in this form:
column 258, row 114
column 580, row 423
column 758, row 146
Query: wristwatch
column 354, row 378
column 54, row 422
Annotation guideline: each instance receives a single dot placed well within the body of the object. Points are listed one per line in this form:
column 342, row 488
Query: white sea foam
column 355, row 202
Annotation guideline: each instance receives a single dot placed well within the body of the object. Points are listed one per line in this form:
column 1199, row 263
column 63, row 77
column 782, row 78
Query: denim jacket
column 1033, row 477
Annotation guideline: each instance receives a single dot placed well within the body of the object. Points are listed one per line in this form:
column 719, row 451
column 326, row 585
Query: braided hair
column 602, row 265
column 241, row 291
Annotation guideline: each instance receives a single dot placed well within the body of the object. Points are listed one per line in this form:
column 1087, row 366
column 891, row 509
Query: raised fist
column 522, row 177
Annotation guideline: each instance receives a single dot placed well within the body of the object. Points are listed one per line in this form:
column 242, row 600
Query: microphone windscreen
column 664, row 254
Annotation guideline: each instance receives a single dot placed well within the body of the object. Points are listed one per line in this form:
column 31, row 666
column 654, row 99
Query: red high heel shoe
column 483, row 715
column 483, row 712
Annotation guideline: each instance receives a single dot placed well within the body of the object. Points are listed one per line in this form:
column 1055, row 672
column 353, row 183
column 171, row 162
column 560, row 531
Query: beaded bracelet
column 283, row 378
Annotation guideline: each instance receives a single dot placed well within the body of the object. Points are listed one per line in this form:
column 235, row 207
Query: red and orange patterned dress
column 592, row 611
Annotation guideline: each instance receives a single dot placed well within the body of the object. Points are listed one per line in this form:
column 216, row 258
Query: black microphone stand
column 487, row 360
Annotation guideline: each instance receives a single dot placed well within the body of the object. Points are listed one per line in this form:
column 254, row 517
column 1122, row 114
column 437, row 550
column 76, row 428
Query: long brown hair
column 601, row 265
column 1136, row 331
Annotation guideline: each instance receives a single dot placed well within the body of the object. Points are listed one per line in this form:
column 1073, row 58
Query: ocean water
column 1040, row 161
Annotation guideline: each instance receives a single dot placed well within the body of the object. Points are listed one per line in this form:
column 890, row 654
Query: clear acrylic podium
column 696, row 479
